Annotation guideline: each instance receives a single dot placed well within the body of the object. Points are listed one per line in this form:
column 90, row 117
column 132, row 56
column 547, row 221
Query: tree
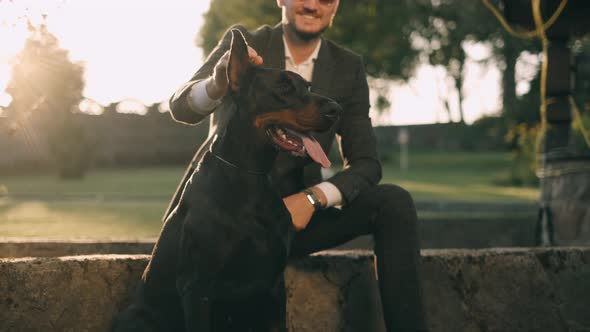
column 45, row 83
column 224, row 13
column 453, row 23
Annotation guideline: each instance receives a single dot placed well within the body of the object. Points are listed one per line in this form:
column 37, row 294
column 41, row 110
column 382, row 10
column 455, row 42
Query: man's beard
column 306, row 36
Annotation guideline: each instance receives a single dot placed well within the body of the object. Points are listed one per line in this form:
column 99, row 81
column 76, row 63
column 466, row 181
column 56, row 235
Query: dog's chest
column 245, row 251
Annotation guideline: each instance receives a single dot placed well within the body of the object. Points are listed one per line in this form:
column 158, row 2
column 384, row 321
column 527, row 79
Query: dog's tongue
column 314, row 150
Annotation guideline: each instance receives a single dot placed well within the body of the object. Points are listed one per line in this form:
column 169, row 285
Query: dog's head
column 283, row 110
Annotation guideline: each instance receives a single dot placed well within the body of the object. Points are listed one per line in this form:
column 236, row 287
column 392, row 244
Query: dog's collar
column 238, row 167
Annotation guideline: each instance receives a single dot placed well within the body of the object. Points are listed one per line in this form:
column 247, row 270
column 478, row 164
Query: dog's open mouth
column 298, row 144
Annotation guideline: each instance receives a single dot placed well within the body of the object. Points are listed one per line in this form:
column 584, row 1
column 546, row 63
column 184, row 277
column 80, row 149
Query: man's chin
column 306, row 35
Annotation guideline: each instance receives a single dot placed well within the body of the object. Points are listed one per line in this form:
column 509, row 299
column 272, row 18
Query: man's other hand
column 217, row 84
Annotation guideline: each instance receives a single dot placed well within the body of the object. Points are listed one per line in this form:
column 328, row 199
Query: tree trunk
column 459, row 86
column 509, row 100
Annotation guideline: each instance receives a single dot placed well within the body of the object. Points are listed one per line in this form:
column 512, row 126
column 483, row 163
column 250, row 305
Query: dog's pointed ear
column 238, row 62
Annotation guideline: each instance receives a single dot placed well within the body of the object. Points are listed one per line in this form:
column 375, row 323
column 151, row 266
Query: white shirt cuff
column 333, row 195
column 201, row 102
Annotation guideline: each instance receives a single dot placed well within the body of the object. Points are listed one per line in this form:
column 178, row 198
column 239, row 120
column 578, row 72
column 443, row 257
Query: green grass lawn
column 462, row 176
column 142, row 181
column 431, row 176
column 93, row 219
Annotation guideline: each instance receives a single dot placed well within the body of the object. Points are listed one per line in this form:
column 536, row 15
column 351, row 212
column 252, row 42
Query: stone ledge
column 42, row 247
column 465, row 290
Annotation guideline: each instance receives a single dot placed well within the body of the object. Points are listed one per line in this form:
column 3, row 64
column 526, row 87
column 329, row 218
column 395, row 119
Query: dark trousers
column 388, row 213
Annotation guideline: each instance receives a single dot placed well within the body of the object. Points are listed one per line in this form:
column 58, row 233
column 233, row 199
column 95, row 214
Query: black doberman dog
column 218, row 263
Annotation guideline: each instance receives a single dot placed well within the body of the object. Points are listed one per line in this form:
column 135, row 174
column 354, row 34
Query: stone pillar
column 564, row 217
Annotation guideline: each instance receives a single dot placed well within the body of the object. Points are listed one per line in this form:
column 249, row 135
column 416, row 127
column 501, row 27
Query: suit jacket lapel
column 323, row 70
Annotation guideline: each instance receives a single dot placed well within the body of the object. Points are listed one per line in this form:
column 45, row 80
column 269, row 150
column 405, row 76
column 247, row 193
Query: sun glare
column 142, row 49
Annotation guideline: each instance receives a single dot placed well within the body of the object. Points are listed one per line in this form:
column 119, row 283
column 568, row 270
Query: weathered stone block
column 465, row 290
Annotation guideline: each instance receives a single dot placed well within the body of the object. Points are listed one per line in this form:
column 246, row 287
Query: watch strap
column 313, row 199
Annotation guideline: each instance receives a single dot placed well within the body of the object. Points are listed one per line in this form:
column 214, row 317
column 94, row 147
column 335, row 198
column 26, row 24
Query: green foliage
column 381, row 31
column 382, row 103
column 46, row 83
column 72, row 148
column 524, row 154
column 489, row 129
column 224, row 13
column 581, row 95
column 378, row 29
column 581, row 131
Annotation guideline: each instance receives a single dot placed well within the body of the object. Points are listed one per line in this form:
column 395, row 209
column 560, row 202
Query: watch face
column 312, row 199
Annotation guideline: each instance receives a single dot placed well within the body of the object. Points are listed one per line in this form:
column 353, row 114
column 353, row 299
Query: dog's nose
column 330, row 109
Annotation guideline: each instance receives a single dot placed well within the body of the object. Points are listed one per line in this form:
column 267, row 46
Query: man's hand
column 217, row 84
column 301, row 209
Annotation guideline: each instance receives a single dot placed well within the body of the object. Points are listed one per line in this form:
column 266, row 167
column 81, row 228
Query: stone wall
column 465, row 290
column 118, row 140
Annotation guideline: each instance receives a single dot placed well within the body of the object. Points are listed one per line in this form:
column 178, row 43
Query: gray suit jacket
column 338, row 74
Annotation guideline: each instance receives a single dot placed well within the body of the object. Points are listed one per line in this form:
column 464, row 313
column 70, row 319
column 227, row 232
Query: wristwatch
column 313, row 199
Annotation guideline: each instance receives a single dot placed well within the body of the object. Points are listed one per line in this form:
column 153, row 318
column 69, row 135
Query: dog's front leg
column 193, row 289
column 276, row 307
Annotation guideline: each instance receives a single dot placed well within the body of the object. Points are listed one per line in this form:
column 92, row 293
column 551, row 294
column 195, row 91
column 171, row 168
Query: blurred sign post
column 403, row 137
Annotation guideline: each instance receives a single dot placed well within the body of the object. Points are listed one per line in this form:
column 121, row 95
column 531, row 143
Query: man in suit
column 385, row 211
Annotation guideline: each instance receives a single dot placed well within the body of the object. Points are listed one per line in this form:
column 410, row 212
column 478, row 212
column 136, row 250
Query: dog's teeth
column 283, row 136
column 290, row 141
